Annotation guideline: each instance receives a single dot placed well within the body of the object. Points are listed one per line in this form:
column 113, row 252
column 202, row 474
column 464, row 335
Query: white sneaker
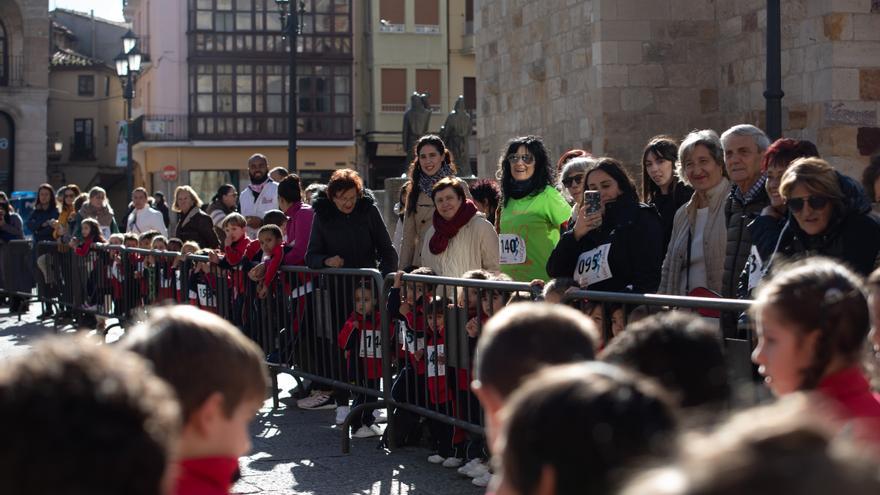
column 305, row 400
column 452, row 462
column 320, row 401
column 467, row 467
column 381, row 415
column 479, row 470
column 482, row 480
column 366, row 432
column 436, row 459
column 341, row 414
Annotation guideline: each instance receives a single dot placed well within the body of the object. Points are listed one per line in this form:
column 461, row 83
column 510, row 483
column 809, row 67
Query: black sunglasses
column 574, row 179
column 527, row 158
column 815, row 202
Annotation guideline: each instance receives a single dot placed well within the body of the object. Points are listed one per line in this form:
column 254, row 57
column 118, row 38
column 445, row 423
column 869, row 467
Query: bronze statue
column 456, row 133
column 415, row 123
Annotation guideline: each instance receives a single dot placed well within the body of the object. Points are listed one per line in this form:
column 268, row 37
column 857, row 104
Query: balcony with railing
column 12, row 72
column 239, row 126
column 82, row 148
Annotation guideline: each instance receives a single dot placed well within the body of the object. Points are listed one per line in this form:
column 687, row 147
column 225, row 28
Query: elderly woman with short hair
column 695, row 255
column 460, row 238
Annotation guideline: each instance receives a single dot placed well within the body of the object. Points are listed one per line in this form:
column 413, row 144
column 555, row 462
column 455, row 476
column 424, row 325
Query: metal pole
column 292, row 23
column 773, row 93
column 129, row 95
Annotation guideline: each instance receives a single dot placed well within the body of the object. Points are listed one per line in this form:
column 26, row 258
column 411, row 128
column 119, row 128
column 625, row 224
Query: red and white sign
column 169, row 173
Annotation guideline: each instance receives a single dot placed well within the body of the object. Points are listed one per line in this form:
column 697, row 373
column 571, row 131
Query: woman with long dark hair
column 432, row 163
column 40, row 224
column 616, row 248
column 532, row 210
column 661, row 187
column 223, row 203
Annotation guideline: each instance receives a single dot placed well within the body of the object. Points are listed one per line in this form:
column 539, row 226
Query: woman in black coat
column 823, row 221
column 619, row 248
column 193, row 224
column 348, row 230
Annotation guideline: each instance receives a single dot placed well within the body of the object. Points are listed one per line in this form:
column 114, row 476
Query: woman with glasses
column 432, row 163
column 616, row 248
column 660, row 186
column 822, row 221
column 571, row 180
column 532, row 210
column 66, row 222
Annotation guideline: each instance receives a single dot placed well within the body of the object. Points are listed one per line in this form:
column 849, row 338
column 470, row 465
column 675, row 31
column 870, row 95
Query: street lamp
column 291, row 27
column 128, row 64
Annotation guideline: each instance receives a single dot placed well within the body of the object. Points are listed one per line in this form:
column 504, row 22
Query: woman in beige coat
column 695, row 256
column 460, row 238
column 432, row 163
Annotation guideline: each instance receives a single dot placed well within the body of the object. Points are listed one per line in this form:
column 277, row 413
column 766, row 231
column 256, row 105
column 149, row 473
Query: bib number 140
column 512, row 249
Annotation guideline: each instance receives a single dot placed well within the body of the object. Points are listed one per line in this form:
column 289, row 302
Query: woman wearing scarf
column 433, row 162
column 532, row 210
column 460, row 238
column 192, row 223
column 99, row 209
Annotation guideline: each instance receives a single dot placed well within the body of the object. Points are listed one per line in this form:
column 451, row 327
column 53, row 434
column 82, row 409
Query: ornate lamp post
column 128, row 64
column 291, row 27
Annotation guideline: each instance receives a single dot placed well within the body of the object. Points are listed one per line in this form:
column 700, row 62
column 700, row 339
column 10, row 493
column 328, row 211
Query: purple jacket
column 299, row 229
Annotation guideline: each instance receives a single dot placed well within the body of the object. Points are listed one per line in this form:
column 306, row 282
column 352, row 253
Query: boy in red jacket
column 361, row 337
column 217, row 402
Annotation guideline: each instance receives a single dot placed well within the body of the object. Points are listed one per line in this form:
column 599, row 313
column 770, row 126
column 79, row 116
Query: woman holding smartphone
column 615, row 243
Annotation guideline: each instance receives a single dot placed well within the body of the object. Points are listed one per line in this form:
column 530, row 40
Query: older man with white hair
column 744, row 146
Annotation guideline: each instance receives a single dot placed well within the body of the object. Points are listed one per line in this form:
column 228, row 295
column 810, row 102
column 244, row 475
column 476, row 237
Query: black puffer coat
column 635, row 232
column 360, row 237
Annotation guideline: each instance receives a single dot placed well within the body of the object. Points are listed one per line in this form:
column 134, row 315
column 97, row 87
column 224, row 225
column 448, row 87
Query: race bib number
column 371, row 344
column 205, row 298
column 164, row 281
column 412, row 343
column 592, row 266
column 178, row 277
column 435, row 368
column 756, row 268
column 511, row 249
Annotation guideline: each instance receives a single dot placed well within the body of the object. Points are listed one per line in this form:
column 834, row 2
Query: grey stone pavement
column 295, row 451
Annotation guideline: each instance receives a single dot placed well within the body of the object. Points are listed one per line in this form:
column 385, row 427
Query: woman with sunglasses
column 823, row 222
column 63, row 227
column 532, row 210
column 661, row 188
column 617, row 248
column 572, row 174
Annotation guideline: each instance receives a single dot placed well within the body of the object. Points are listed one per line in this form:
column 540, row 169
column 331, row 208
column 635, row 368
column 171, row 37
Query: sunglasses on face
column 574, row 179
column 815, row 202
column 526, row 158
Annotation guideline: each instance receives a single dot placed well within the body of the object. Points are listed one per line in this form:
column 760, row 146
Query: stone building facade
column 24, row 89
column 606, row 75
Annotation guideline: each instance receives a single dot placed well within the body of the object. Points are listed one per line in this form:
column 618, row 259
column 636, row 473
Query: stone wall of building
column 669, row 66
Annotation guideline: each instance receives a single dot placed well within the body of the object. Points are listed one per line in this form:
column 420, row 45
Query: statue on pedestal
column 456, row 133
column 415, row 123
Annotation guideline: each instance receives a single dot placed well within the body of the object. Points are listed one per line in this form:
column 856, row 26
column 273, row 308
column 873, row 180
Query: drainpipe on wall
column 773, row 93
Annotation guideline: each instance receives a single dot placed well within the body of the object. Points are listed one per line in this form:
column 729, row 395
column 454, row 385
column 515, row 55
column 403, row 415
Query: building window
column 470, row 93
column 254, row 26
column 427, row 16
column 428, row 81
column 86, row 85
column 4, row 58
column 83, row 145
column 392, row 16
column 393, row 90
column 107, row 86
column 106, row 136
column 469, row 17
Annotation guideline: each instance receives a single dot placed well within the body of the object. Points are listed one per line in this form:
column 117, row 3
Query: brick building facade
column 606, row 75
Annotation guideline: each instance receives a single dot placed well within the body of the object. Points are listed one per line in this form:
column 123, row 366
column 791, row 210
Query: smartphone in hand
column 592, row 201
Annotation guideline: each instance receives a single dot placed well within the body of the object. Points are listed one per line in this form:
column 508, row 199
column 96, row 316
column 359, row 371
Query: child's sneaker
column 322, row 400
column 341, row 414
column 381, row 415
column 436, row 459
column 300, row 403
column 480, row 469
column 482, row 480
column 367, row 432
column 452, row 462
column 470, row 469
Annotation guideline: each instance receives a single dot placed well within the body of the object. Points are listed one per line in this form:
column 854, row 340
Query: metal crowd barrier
column 410, row 351
column 17, row 270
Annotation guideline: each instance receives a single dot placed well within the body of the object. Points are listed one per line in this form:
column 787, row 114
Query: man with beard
column 260, row 196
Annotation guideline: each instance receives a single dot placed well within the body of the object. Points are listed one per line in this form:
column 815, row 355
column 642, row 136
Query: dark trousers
column 365, row 418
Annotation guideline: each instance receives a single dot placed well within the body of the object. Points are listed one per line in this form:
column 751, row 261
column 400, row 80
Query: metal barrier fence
column 17, row 271
column 405, row 344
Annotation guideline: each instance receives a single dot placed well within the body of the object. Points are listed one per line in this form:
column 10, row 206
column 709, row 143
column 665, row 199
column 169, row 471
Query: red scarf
column 445, row 230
